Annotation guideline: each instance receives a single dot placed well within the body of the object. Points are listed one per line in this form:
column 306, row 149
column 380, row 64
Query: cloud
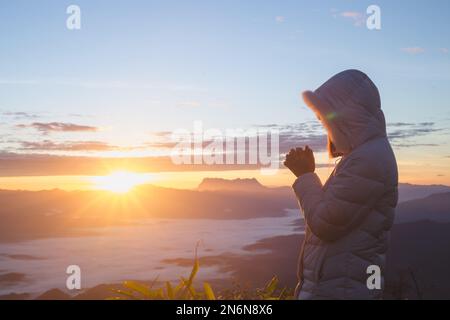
column 57, row 127
column 351, row 14
column 37, row 158
column 189, row 104
column 403, row 134
column 19, row 115
column 291, row 135
column 311, row 133
column 308, row 133
column 161, row 145
column 161, row 133
column 413, row 50
column 412, row 144
column 18, row 82
column 106, row 84
column 280, row 19
column 402, row 130
column 48, row 145
column 400, row 124
column 15, row 165
column 444, row 50
column 356, row 17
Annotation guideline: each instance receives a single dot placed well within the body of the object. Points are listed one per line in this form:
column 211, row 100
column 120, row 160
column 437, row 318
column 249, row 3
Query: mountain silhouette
column 407, row 191
column 29, row 215
column 219, row 184
column 435, row 207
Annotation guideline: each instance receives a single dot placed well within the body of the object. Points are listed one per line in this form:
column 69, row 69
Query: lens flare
column 120, row 181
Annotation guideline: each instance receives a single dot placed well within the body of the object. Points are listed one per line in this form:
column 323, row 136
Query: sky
column 137, row 70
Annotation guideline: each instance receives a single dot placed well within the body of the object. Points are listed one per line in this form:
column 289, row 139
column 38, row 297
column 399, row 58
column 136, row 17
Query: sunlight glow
column 120, row 181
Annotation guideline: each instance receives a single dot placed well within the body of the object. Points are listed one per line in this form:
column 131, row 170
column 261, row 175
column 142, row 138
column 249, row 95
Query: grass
column 188, row 289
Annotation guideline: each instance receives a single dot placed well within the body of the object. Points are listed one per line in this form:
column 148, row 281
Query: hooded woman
column 349, row 217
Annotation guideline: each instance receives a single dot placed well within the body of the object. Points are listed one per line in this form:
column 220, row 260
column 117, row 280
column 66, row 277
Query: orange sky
column 409, row 172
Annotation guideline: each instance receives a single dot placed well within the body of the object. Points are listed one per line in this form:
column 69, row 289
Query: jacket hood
column 349, row 107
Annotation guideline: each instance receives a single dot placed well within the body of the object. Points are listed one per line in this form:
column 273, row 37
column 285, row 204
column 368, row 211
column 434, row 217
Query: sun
column 120, row 181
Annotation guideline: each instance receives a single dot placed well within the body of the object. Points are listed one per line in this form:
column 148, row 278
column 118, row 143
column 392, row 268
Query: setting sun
column 120, row 181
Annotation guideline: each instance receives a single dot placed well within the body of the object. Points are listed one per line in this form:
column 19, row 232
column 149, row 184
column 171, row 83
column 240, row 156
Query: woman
column 347, row 219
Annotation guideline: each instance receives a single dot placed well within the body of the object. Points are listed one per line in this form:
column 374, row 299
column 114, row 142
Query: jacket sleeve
column 347, row 200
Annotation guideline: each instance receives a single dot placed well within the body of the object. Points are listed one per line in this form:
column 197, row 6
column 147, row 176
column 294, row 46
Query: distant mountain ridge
column 219, row 184
column 27, row 215
column 409, row 273
column 421, row 232
column 416, row 202
column 406, row 191
column 435, row 207
column 409, row 191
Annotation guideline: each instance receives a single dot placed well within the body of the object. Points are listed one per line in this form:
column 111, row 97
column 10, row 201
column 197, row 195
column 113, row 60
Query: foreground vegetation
column 187, row 289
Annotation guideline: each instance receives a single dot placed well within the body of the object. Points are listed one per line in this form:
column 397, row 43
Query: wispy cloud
column 356, row 17
column 401, row 134
column 444, row 50
column 404, row 134
column 400, row 124
column 18, row 82
column 414, row 145
column 404, row 130
column 189, row 104
column 48, row 145
column 15, row 164
column 308, row 133
column 413, row 50
column 57, row 127
column 38, row 157
column 291, row 135
column 19, row 115
column 280, row 19
column 105, row 84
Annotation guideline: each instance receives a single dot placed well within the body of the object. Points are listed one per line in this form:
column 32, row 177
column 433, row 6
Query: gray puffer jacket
column 348, row 219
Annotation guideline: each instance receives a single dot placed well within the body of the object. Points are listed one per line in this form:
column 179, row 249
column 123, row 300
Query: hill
column 407, row 191
column 435, row 207
column 218, row 184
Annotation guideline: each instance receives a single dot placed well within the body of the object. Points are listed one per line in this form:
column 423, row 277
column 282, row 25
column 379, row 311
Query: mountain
column 407, row 191
column 417, row 264
column 218, row 184
column 435, row 207
column 54, row 294
column 418, row 260
column 27, row 215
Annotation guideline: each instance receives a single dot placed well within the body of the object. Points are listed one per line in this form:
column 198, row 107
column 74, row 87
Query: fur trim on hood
column 349, row 107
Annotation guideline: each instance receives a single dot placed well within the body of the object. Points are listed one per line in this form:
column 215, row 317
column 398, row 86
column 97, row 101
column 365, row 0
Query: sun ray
column 120, row 181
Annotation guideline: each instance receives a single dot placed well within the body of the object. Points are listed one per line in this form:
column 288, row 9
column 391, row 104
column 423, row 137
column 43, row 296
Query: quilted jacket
column 349, row 217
